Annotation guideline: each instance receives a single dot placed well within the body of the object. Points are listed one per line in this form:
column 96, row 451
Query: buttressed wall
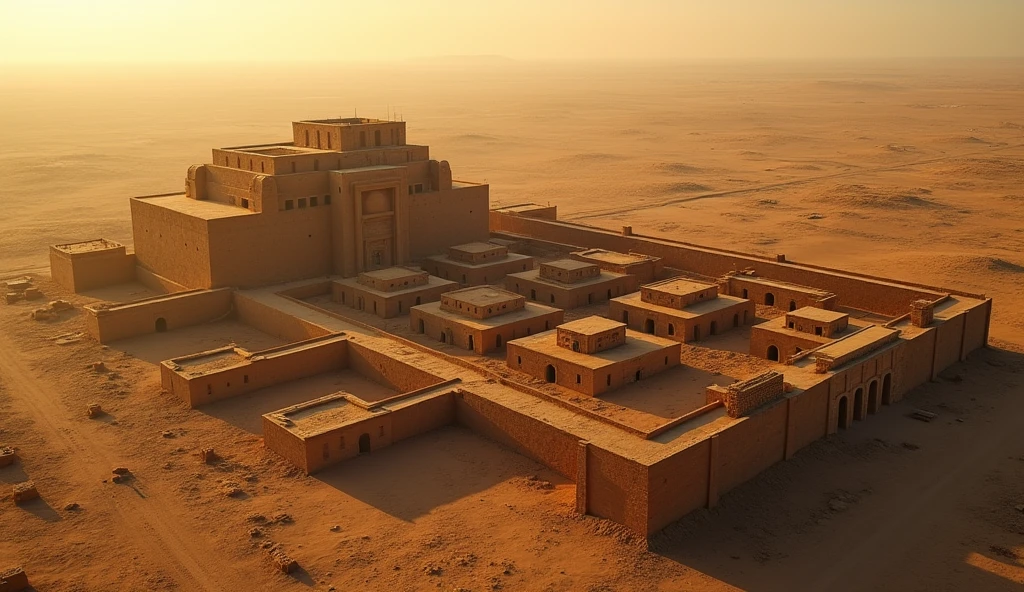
column 345, row 196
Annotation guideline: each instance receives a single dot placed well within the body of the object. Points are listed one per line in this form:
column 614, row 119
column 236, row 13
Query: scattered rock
column 13, row 579
column 12, row 297
column 1003, row 552
column 257, row 518
column 33, row 294
column 1019, row 508
column 815, row 216
column 230, row 489
column 121, row 471
column 59, row 305
column 910, row 446
column 837, row 505
column 25, row 491
column 98, row 366
column 93, row 410
column 208, row 456
column 283, row 519
column 72, row 507
column 167, row 434
column 432, row 569
column 7, row 456
column 255, row 532
column 282, row 561
column 335, row 528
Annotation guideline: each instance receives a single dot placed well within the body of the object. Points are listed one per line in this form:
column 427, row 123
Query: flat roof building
column 645, row 267
column 569, row 283
column 592, row 355
column 482, row 318
column 390, row 292
column 681, row 309
column 477, row 263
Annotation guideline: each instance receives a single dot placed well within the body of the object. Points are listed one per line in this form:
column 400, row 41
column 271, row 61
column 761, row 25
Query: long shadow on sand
column 880, row 505
column 413, row 477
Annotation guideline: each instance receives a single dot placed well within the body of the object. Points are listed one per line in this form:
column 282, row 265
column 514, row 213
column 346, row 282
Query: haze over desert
column 875, row 189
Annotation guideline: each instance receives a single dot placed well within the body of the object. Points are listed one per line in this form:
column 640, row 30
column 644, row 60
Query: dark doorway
column 887, row 389
column 161, row 325
column 497, row 341
column 625, row 316
column 637, row 376
column 696, row 333
column 671, row 329
column 745, row 295
column 470, row 342
column 873, row 397
column 421, row 326
column 858, row 404
column 444, row 338
column 736, row 320
column 714, row 327
column 649, row 326
column 844, row 415
column 773, row 353
column 792, row 305
column 533, row 294
column 609, row 294
column 549, row 373
column 769, row 299
column 364, row 444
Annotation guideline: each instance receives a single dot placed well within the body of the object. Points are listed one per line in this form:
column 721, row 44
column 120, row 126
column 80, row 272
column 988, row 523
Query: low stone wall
column 743, row 397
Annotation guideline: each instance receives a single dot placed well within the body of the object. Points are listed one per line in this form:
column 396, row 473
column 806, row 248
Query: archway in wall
column 696, row 332
column 161, row 325
column 625, row 316
column 497, row 341
column 792, row 305
column 887, row 389
column 744, row 317
column 873, row 397
column 422, row 328
column 671, row 329
column 470, row 342
column 444, row 338
column 649, row 326
column 844, row 413
column 714, row 327
column 858, row 403
column 549, row 373
column 769, row 299
column 773, row 353
column 736, row 320
column 745, row 295
column 638, row 375
column 364, row 444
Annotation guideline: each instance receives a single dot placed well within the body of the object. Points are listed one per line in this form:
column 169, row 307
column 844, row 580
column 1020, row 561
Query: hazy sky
column 286, row 30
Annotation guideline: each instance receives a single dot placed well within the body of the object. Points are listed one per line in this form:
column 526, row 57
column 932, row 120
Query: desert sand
column 911, row 170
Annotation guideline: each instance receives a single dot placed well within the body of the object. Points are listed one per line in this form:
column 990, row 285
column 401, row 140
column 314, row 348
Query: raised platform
column 604, row 286
column 692, row 323
column 391, row 302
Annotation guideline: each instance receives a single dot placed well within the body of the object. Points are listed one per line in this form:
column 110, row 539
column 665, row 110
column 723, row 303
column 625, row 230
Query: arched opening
column 533, row 294
column 744, row 317
column 444, row 338
column 364, row 444
column 844, row 414
column 638, row 375
column 792, row 305
column 497, row 341
column 470, row 342
column 773, row 353
column 161, row 325
column 714, row 327
column 887, row 390
column 417, row 301
column 873, row 397
column 649, row 326
column 625, row 316
column 745, row 292
column 696, row 333
column 736, row 320
column 671, row 329
column 549, row 373
column 769, row 299
column 797, row 350
column 422, row 328
column 609, row 294
column 858, row 403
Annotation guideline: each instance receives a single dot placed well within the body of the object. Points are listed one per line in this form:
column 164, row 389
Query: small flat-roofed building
column 390, row 292
column 477, row 263
column 91, row 264
column 529, row 210
column 568, row 283
column 681, row 309
column 618, row 356
column 482, row 318
column 781, row 295
column 801, row 330
column 646, row 268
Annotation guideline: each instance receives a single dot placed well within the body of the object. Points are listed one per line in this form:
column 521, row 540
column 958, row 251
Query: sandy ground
column 905, row 170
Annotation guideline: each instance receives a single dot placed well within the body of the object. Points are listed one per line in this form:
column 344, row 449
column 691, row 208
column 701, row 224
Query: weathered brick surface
column 743, row 397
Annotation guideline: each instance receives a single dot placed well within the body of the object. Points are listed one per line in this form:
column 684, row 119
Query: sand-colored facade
column 249, row 220
column 476, row 264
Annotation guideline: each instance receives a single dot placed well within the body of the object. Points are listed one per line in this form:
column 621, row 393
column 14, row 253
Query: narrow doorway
column 843, row 413
column 549, row 373
column 364, row 444
column 858, row 404
column 161, row 325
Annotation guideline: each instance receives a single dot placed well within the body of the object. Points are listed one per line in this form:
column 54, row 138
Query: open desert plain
column 912, row 170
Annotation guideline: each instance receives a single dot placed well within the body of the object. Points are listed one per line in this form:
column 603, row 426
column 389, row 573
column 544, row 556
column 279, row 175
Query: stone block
column 13, row 579
column 7, row 456
column 25, row 491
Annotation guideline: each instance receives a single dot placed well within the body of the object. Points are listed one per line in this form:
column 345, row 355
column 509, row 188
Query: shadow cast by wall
column 413, row 477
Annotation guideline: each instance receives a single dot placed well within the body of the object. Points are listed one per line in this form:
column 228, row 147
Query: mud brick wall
column 143, row 317
column 276, row 322
column 742, row 397
column 388, row 371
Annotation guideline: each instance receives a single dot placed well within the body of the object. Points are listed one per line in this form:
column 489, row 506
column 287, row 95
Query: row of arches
column 769, row 300
column 650, row 326
column 875, row 399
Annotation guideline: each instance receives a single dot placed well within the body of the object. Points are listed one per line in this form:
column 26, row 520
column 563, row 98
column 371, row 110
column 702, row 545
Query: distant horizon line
column 454, row 58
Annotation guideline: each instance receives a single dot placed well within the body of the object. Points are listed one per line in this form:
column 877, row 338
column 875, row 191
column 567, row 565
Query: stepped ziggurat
column 656, row 375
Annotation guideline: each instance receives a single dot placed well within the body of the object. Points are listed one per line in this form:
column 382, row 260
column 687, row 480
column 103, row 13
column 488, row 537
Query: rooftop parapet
column 568, row 271
column 825, row 323
column 393, row 279
column 677, row 293
column 476, row 253
column 743, row 397
column 850, row 348
column 482, row 302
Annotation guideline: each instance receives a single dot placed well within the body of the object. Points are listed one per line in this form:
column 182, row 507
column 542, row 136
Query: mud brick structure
column 7, row 456
column 475, row 264
column 391, row 292
column 482, row 318
column 13, row 580
column 592, row 355
column 743, row 397
column 681, row 309
column 268, row 235
column 25, row 492
column 568, row 283
column 801, row 330
column 644, row 267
